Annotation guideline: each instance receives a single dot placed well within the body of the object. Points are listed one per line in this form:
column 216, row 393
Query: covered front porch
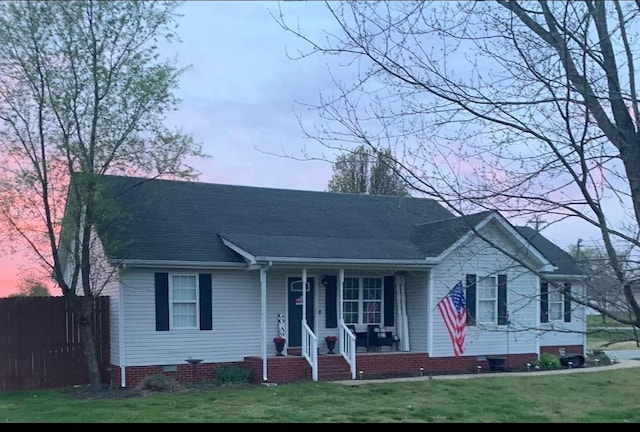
column 363, row 310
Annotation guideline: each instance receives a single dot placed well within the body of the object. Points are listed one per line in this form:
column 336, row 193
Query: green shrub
column 549, row 361
column 231, row 375
column 160, row 383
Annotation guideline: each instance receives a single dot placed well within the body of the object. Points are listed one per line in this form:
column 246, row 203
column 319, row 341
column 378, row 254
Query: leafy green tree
column 83, row 92
column 364, row 172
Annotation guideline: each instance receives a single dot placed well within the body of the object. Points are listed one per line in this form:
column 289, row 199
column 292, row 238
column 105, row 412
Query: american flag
column 453, row 308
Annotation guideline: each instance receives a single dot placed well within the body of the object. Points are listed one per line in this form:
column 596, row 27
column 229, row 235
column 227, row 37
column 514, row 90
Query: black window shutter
column 470, row 296
column 502, row 300
column 544, row 302
column 389, row 296
column 162, row 301
column 331, row 302
column 567, row 302
column 206, row 322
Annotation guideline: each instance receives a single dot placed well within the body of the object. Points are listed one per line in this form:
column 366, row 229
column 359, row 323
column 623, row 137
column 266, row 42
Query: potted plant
column 331, row 343
column 279, row 341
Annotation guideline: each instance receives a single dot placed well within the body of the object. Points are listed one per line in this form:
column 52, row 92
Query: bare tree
column 528, row 108
column 83, row 92
column 360, row 171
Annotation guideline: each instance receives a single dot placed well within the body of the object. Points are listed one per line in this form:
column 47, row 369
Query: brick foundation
column 183, row 373
column 569, row 349
column 293, row 368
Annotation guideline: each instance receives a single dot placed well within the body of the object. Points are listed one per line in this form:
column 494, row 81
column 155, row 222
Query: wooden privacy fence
column 41, row 346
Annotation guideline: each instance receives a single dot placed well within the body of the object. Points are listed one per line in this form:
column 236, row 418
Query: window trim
column 196, row 302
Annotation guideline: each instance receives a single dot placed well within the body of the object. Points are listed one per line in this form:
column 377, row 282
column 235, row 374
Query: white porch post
column 263, row 319
column 304, row 310
column 404, row 322
column 340, row 295
column 304, row 295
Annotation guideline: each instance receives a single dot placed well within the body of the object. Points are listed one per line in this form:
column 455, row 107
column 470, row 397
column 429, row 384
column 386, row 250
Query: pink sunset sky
column 238, row 100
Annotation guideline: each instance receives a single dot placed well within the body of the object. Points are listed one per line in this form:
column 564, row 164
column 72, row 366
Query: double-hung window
column 362, row 300
column 487, row 300
column 351, row 300
column 372, row 300
column 183, row 301
column 556, row 305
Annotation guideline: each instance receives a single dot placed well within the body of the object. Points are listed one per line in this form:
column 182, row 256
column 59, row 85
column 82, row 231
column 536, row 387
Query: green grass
column 597, row 321
column 602, row 396
column 616, row 336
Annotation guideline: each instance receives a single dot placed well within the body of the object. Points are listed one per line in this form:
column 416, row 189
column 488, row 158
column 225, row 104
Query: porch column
column 304, row 295
column 403, row 322
column 263, row 321
column 340, row 297
column 304, row 311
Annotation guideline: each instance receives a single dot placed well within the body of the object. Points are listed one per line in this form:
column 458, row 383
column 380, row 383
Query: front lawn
column 595, row 397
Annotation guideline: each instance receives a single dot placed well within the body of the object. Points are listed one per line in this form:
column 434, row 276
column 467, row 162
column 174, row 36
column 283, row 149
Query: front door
column 294, row 285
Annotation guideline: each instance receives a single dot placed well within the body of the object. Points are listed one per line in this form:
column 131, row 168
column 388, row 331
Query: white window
column 556, row 305
column 487, row 300
column 351, row 300
column 183, row 301
column 362, row 300
column 372, row 300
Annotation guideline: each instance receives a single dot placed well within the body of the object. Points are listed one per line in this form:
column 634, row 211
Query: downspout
column 121, row 344
column 538, row 311
column 400, row 322
column 584, row 321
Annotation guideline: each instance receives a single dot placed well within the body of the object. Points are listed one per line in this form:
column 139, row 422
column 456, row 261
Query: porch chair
column 386, row 340
column 372, row 334
column 362, row 339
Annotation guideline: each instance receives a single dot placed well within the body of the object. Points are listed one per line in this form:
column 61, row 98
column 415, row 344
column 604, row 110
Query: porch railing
column 348, row 348
column 310, row 349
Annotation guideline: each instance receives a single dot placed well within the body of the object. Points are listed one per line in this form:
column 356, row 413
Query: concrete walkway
column 623, row 364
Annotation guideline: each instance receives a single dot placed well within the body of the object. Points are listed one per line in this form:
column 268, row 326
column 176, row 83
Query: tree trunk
column 83, row 307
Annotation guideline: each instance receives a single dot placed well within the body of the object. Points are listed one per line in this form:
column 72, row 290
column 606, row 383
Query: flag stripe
column 454, row 313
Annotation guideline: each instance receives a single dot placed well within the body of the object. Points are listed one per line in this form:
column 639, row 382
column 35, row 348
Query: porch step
column 296, row 351
column 333, row 368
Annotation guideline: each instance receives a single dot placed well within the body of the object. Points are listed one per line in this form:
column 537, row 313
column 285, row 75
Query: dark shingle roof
column 325, row 247
column 558, row 257
column 172, row 220
column 435, row 237
column 179, row 220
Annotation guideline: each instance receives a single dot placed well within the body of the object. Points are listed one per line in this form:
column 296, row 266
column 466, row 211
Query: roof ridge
column 453, row 218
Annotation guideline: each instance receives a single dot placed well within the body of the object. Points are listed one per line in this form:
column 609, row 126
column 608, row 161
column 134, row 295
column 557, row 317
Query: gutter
column 350, row 261
column 124, row 263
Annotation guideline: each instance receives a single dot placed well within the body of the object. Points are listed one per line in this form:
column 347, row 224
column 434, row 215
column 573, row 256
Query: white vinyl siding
column 417, row 284
column 488, row 338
